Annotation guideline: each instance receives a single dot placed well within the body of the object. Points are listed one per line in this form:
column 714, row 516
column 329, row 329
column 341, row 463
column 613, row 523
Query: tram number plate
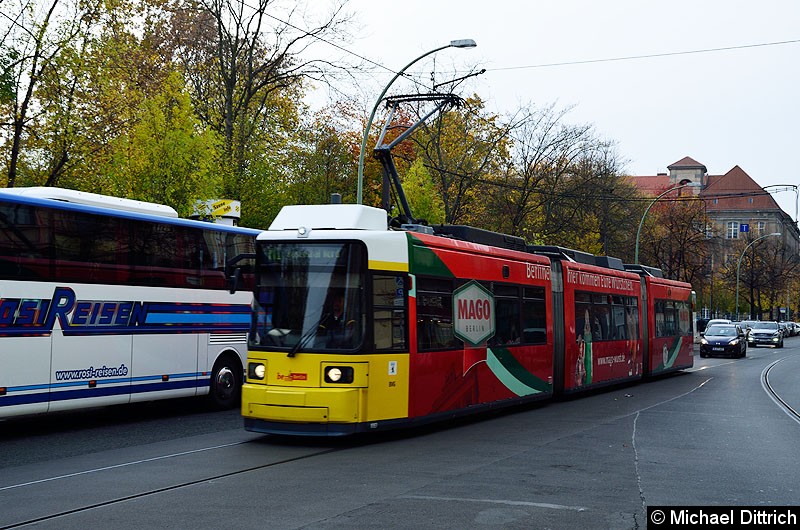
column 719, row 349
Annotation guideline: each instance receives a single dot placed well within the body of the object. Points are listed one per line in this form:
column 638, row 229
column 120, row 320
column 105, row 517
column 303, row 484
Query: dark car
column 723, row 339
column 765, row 333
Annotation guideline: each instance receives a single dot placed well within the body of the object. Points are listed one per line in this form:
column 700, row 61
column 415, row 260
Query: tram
column 359, row 327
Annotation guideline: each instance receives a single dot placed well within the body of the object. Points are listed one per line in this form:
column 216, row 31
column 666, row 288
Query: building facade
column 737, row 206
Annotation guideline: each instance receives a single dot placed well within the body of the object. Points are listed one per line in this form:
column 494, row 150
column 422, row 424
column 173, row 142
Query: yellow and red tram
column 358, row 327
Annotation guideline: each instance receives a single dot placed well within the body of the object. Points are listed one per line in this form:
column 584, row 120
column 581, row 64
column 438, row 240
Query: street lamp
column 639, row 231
column 739, row 266
column 460, row 43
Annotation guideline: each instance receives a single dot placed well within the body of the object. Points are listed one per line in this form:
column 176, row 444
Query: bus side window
column 24, row 243
column 101, row 258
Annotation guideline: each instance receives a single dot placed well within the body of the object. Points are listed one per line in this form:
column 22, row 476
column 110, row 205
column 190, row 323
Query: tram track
column 773, row 393
column 154, row 491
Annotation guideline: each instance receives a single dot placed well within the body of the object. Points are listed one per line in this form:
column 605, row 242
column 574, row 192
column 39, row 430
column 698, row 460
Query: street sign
column 744, row 227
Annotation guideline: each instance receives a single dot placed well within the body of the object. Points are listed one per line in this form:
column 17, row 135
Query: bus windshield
column 309, row 296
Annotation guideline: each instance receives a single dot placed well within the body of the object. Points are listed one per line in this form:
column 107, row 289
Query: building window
column 732, row 231
column 761, row 227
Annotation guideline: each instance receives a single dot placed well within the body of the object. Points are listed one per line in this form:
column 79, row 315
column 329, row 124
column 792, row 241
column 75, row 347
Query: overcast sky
column 735, row 106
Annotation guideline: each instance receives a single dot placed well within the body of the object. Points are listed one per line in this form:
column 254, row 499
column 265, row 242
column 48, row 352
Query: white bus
column 106, row 301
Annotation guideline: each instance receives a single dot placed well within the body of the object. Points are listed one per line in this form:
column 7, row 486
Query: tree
column 245, row 66
column 766, row 271
column 423, row 197
column 461, row 149
column 30, row 47
column 673, row 239
column 322, row 160
column 167, row 157
column 542, row 151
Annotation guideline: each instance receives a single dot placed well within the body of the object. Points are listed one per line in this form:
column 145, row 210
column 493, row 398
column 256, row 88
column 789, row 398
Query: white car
column 718, row 321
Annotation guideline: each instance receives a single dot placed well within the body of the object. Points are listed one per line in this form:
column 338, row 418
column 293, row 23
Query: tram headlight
column 256, row 371
column 341, row 375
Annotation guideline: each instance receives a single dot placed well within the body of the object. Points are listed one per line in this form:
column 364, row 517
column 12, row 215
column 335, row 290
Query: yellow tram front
column 328, row 351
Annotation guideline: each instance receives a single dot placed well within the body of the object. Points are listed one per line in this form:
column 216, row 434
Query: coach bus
column 106, row 301
column 360, row 328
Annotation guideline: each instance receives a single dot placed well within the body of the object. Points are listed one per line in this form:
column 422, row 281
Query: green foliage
column 7, row 85
column 422, row 195
column 168, row 156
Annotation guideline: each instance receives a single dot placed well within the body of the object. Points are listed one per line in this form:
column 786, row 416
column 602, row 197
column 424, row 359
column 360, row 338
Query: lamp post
column 739, row 265
column 639, row 231
column 460, row 43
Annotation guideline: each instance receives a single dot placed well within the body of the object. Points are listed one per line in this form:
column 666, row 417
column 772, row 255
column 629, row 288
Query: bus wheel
column 226, row 384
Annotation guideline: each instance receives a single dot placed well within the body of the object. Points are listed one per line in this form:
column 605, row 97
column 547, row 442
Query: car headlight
column 703, row 341
column 734, row 342
column 256, row 371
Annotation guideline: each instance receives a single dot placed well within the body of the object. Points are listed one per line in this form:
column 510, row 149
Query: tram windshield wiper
column 310, row 332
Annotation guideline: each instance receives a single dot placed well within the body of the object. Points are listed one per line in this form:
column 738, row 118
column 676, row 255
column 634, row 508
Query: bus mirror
column 234, row 279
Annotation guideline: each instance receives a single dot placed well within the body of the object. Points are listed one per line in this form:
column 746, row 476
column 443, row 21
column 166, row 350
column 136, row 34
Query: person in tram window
column 335, row 325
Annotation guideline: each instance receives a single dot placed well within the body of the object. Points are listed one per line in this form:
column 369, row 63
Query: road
column 718, row 434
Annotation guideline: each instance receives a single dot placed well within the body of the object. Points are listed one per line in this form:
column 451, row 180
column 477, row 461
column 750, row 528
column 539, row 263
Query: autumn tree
column 247, row 67
column 322, row 162
column 167, row 156
column 33, row 34
column 462, row 149
column 764, row 275
column 673, row 238
column 423, row 195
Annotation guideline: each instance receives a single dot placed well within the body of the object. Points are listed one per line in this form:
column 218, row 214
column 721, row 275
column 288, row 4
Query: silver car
column 766, row 333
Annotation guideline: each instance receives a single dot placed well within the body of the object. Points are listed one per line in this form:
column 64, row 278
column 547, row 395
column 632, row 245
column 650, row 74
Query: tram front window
column 309, row 296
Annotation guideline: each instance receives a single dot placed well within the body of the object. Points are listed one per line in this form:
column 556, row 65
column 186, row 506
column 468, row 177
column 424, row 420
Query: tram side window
column 435, row 315
column 534, row 316
column 672, row 318
column 684, row 318
column 631, row 316
column 609, row 317
column 507, row 314
column 25, row 248
column 596, row 308
column 389, row 311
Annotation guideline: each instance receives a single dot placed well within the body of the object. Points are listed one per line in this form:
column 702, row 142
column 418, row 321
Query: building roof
column 736, row 190
column 651, row 184
column 687, row 163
